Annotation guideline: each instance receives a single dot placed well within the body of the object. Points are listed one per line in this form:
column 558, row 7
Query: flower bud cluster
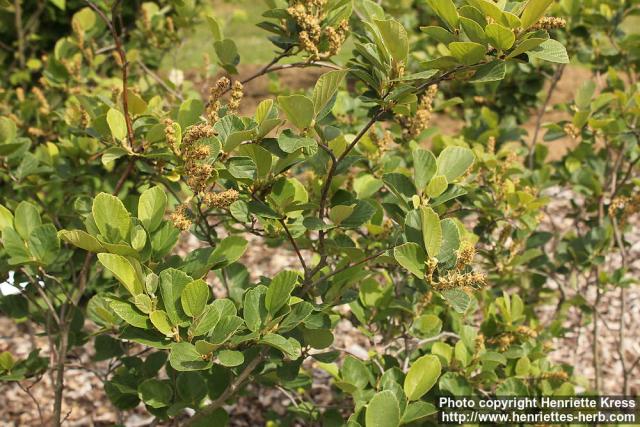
column 309, row 16
column 465, row 281
column 42, row 100
column 193, row 153
column 182, row 218
column 415, row 125
column 215, row 93
column 572, row 130
column 237, row 93
column 466, row 254
column 221, row 200
column 549, row 23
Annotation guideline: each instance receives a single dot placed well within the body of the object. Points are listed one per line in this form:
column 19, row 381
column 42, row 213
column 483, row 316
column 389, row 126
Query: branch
column 295, row 247
column 310, row 285
column 159, row 79
column 229, row 391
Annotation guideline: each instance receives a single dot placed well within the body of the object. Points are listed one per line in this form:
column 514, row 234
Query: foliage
column 107, row 168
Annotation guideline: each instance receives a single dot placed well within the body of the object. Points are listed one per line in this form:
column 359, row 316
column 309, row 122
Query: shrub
column 107, row 167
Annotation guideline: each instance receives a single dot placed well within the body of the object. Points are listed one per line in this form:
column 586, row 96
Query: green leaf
column 412, row 257
column 533, row 11
column 143, row 303
column 437, row 186
column 454, row 161
column 191, row 387
column 215, row 28
column 489, row 8
column 112, row 154
column 155, row 393
column 355, row 372
column 457, row 298
column 290, row 347
column 491, row 72
column 526, row 46
column 585, row 95
column 128, row 312
column 8, row 130
column 523, row 366
column 468, row 53
column 366, row 186
column 473, row 30
column 431, row 231
column 279, row 290
column 185, row 357
column 254, row 310
column 339, row 213
column 499, row 36
column 111, row 217
column 225, row 329
column 299, row 312
column 190, row 112
column 60, row 4
column 15, row 247
column 325, row 89
column 299, row 110
column 194, row 297
column 422, row 376
column 161, row 321
column 439, row 34
column 206, row 322
column 6, row 361
column 27, row 218
column 151, row 207
column 551, row 51
column 383, row 410
column 395, row 39
column 227, row 52
column 228, row 251
column 44, row 243
column 418, row 410
column 450, row 240
column 6, row 218
column 230, row 358
column 117, row 124
column 446, row 10
column 424, row 167
column 317, row 338
column 290, row 143
column 172, row 283
column 123, row 270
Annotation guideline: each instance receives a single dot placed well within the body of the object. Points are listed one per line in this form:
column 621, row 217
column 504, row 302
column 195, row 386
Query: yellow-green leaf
column 422, row 376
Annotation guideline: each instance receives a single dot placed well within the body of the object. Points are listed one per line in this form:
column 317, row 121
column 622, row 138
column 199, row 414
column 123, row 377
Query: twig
column 554, row 84
column 27, row 390
column 159, row 79
column 229, row 391
column 295, row 247
column 310, row 285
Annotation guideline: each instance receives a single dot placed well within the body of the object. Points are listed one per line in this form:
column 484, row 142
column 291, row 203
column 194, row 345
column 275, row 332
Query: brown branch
column 310, row 285
column 295, row 247
column 27, row 390
column 229, row 391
